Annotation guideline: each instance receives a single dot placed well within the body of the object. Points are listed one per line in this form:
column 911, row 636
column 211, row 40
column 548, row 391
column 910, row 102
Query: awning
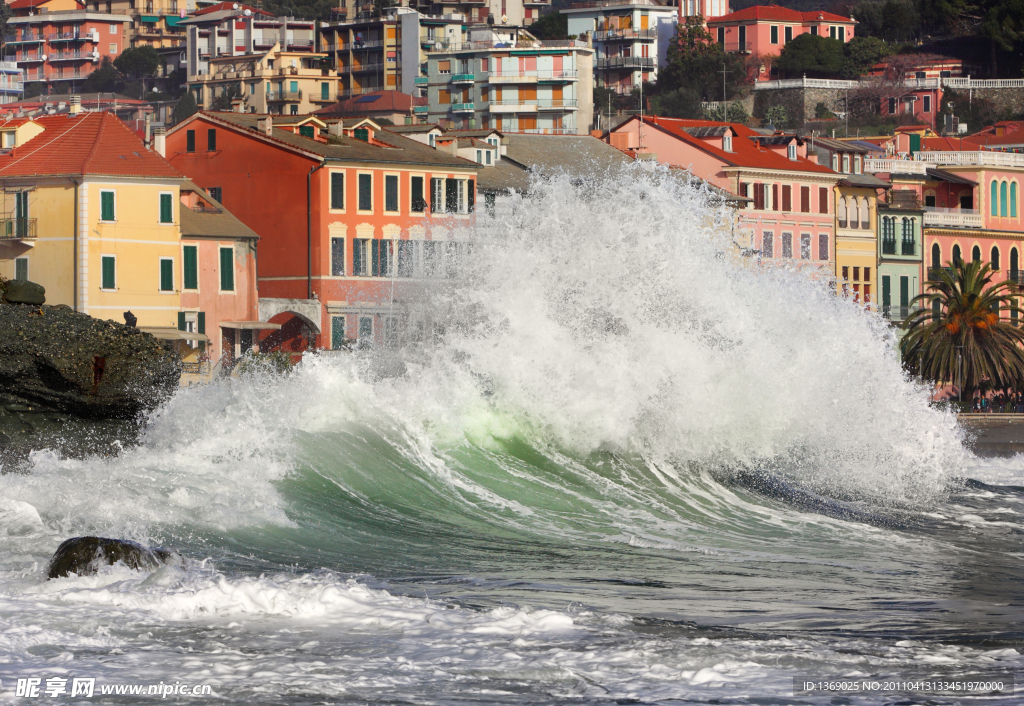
column 250, row 325
column 172, row 334
column 173, row 21
column 943, row 175
column 151, row 18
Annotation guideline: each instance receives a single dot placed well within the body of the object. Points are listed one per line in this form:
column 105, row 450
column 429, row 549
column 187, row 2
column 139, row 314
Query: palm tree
column 957, row 336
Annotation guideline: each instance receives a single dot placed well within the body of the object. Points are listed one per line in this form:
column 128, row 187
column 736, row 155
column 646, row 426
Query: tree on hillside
column 958, row 336
column 553, row 25
column 695, row 62
column 1003, row 26
column 301, row 9
column 861, row 53
column 138, row 62
column 105, row 79
column 185, row 108
column 813, row 55
column 223, row 101
column 678, row 103
column 892, row 20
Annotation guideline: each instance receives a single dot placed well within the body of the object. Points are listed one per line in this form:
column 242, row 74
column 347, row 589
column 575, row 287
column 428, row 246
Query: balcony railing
column 331, row 97
column 608, row 3
column 904, row 199
column 953, row 217
column 68, row 55
column 888, row 246
column 276, row 96
column 533, row 76
column 907, row 247
column 626, row 62
column 363, row 68
column 72, row 37
column 421, row 80
column 463, row 78
column 17, row 228
column 897, row 313
column 462, row 107
column 894, row 166
column 31, row 58
column 972, row 159
column 624, row 35
column 26, row 38
column 935, row 273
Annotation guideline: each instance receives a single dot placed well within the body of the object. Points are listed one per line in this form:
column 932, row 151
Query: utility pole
column 724, row 72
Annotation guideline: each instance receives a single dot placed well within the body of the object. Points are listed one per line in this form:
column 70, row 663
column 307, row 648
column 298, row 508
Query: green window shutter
column 416, row 202
column 886, row 293
column 294, row 87
column 166, row 208
column 337, row 257
column 190, row 140
column 167, row 275
column 1002, row 200
column 337, row 190
column 391, row 192
column 201, row 322
column 191, row 267
column 375, row 258
column 435, row 199
column 109, row 273
column 227, row 269
column 181, row 320
column 470, row 195
column 915, row 143
column 1013, row 200
column 365, row 192
column 337, row 332
column 994, row 199
column 904, row 291
column 357, row 256
column 107, row 206
column 325, row 91
column 306, row 131
column 211, row 140
column 451, row 195
column 362, row 133
column 936, row 310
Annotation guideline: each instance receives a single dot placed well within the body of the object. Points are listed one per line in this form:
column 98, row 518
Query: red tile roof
column 90, row 143
column 1013, row 134
column 779, row 14
column 22, row 4
column 384, row 102
column 746, row 152
column 225, row 6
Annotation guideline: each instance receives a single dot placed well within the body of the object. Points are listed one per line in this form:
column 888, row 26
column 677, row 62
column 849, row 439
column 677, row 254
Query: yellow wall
column 50, row 253
column 857, row 247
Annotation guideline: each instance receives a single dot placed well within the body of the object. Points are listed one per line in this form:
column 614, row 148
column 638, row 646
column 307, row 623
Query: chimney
column 149, row 133
column 337, row 129
column 265, row 125
column 76, row 105
column 160, row 141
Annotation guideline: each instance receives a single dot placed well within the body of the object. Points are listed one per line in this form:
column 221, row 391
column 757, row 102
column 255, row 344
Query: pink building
column 763, row 30
column 790, row 219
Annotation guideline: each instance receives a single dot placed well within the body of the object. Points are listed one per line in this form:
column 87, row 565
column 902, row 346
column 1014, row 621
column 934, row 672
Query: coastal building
column 900, row 253
column 12, row 82
column 152, row 23
column 856, row 199
column 630, row 37
column 128, row 109
column 348, row 219
column 515, row 13
column 93, row 216
column 790, row 216
column 276, row 82
column 507, row 80
column 58, row 43
column 763, row 30
column 17, row 131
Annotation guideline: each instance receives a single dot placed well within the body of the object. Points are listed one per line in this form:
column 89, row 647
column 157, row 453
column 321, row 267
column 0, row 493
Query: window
column 814, row 30
column 337, row 257
column 294, row 110
column 907, row 241
column 113, row 29
column 444, row 67
column 768, row 244
column 360, row 259
column 166, row 208
column 1003, row 198
column 929, row 200
column 936, row 257
column 113, row 48
column 190, row 140
column 365, row 328
column 927, row 104
column 957, row 258
column 892, row 106
column 791, row 151
column 865, row 214
column 107, row 212
column 338, row 190
column 805, row 199
column 846, row 164
column 417, row 204
column 381, row 257
column 479, row 156
column 822, row 199
column 1013, row 199
column 835, row 162
column 743, row 38
column 408, row 258
column 227, row 269
column 337, row 332
column 437, row 195
column 489, row 163
column 391, row 192
column 721, row 36
column 787, row 245
column 108, row 265
column 857, row 165
column 822, row 246
column 190, row 267
column 365, row 192
column 788, row 34
column 775, row 34
column 994, row 199
column 211, row 140
column 307, row 131
column 775, row 197
column 904, row 296
column 841, row 212
column 805, row 246
column 759, row 196
column 787, row 197
column 21, row 269
column 727, row 142
column 886, row 296
column 995, row 257
column 888, row 235
column 215, row 194
column 975, row 254
column 166, row 274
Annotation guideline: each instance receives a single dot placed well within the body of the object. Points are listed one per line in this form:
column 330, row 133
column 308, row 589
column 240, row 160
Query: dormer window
column 858, row 166
column 835, row 162
column 791, row 150
column 727, row 142
column 846, row 164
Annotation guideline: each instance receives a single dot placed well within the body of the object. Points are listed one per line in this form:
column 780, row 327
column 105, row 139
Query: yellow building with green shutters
column 93, row 216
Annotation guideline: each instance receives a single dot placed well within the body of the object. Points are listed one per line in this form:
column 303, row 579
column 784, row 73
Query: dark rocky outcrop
column 85, row 555
column 21, row 292
column 65, row 377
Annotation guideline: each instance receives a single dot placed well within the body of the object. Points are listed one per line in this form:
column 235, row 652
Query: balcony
column 904, row 199
column 71, row 37
column 279, row 96
column 31, row 59
column 897, row 314
column 463, row 78
column 908, row 248
column 462, row 107
column 533, row 77
column 888, row 246
column 360, row 44
column 65, row 76
column 363, row 68
column 953, row 217
column 17, row 229
column 894, row 166
column 321, row 98
column 935, row 273
column 970, row 159
column 513, row 105
column 69, row 56
column 626, row 62
column 26, row 38
column 625, row 35
column 419, row 109
column 421, row 80
column 557, row 104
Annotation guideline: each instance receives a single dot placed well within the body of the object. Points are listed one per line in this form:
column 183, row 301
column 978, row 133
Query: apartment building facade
column 12, row 82
column 630, row 38
column 512, row 82
column 348, row 219
column 57, row 49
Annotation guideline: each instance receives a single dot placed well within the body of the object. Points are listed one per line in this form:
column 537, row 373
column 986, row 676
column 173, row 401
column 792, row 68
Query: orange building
column 347, row 218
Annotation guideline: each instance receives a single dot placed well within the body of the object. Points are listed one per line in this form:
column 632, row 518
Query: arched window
column 936, row 256
column 956, row 254
column 1013, row 199
column 841, row 212
column 1013, row 263
column 975, row 254
column 993, row 209
column 995, row 257
column 908, row 237
column 865, row 214
column 1003, row 198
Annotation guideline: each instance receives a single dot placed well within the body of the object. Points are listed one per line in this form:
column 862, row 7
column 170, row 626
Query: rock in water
column 23, row 292
column 84, row 555
column 55, row 360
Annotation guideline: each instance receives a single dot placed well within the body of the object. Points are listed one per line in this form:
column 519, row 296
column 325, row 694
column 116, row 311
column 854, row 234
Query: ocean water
column 628, row 466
